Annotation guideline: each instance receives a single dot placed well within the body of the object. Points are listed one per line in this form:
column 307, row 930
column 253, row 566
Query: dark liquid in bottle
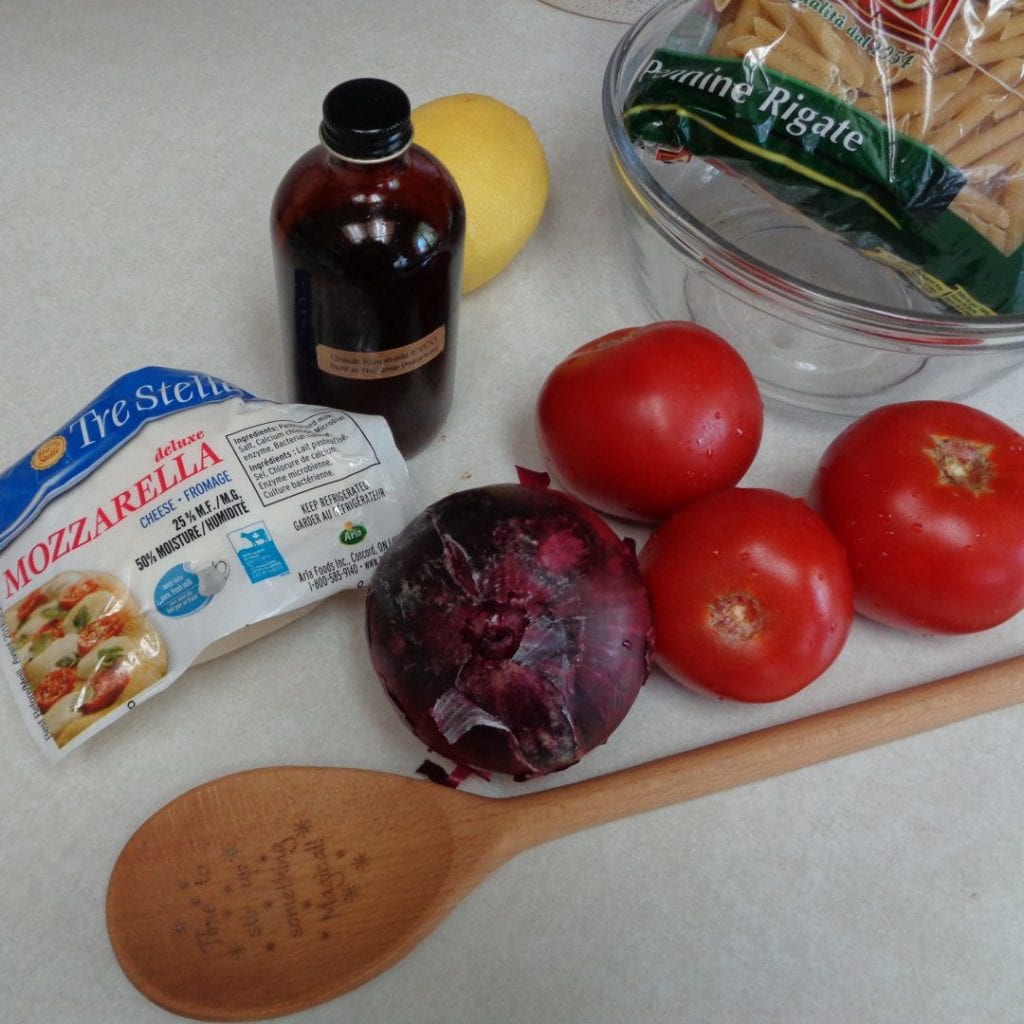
column 369, row 263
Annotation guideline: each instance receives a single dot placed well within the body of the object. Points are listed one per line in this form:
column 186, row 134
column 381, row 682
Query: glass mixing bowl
column 820, row 326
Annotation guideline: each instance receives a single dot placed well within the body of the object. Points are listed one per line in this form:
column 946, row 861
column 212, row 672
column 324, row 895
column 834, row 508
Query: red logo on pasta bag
column 923, row 22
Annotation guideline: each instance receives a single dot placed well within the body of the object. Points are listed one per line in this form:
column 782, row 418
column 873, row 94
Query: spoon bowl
column 285, row 884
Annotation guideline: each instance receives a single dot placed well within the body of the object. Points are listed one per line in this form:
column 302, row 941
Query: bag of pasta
column 898, row 124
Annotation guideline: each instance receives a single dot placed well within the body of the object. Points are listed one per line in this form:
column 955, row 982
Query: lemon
column 499, row 165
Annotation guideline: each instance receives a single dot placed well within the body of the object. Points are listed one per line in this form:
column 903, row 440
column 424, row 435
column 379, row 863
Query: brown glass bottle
column 368, row 238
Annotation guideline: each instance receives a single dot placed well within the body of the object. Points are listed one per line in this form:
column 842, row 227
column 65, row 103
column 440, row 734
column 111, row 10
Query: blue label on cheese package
column 95, row 433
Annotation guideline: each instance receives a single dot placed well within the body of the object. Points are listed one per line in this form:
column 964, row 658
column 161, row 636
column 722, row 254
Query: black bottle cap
column 366, row 119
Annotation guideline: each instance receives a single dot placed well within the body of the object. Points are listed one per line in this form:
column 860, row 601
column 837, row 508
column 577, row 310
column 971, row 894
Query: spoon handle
column 771, row 751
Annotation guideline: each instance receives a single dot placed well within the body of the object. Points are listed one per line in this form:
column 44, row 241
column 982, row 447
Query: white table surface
column 140, row 144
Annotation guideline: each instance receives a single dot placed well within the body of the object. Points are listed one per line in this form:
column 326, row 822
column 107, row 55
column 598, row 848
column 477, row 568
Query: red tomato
column 751, row 594
column 70, row 597
column 640, row 421
column 107, row 685
column 101, row 629
column 29, row 604
column 54, row 685
column 51, row 631
column 928, row 500
column 44, row 636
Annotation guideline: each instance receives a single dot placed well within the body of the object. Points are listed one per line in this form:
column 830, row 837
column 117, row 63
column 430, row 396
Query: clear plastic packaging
column 174, row 518
column 898, row 126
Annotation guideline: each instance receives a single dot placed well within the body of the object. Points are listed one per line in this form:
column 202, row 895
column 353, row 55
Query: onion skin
column 511, row 627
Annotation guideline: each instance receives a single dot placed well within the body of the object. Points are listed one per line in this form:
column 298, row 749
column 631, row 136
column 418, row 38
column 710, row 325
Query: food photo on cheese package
column 899, row 127
column 174, row 518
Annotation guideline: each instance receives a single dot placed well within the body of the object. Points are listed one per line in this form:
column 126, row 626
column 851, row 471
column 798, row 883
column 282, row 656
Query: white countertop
column 141, row 144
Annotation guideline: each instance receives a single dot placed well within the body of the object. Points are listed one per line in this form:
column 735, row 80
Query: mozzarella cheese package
column 175, row 517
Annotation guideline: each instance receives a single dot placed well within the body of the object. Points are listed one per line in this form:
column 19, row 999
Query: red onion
column 511, row 627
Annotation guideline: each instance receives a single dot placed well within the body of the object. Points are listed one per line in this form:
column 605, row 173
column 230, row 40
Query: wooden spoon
column 268, row 891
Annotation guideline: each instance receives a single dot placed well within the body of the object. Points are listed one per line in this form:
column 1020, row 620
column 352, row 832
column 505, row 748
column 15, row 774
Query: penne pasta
column 743, row 20
column 978, row 147
column 930, row 95
column 962, row 98
column 991, row 166
column 1013, row 203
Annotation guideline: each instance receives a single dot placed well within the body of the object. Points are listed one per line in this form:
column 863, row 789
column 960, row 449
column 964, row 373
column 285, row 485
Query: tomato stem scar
column 735, row 616
column 962, row 463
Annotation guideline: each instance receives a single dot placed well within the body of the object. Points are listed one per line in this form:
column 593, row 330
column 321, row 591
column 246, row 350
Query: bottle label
column 392, row 362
